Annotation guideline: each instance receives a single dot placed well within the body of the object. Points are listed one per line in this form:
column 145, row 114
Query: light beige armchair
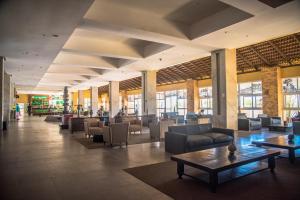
column 158, row 129
column 93, row 126
column 135, row 125
column 116, row 133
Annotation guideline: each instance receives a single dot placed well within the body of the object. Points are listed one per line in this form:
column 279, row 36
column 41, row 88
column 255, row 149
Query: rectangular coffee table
column 282, row 142
column 280, row 128
column 215, row 162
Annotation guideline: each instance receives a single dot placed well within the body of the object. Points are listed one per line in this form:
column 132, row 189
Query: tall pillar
column 66, row 100
column 272, row 91
column 113, row 98
column 224, row 81
column 6, row 98
column 1, row 91
column 148, row 92
column 124, row 98
column 94, row 100
column 80, row 97
column 192, row 95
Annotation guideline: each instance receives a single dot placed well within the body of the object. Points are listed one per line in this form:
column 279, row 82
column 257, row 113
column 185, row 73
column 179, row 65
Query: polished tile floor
column 39, row 161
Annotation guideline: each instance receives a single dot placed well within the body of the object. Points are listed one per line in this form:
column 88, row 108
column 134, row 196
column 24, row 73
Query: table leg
column 292, row 156
column 213, row 181
column 271, row 163
column 180, row 169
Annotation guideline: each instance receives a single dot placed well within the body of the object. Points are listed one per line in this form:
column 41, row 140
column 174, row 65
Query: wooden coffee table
column 220, row 168
column 282, row 142
column 280, row 128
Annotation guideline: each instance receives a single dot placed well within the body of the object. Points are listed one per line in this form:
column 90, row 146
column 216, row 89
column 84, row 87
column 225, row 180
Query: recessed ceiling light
column 55, row 35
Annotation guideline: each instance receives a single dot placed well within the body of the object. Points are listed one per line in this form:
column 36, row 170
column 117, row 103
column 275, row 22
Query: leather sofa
column 188, row 138
column 248, row 124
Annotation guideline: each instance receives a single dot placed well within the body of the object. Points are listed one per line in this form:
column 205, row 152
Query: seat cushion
column 95, row 130
column 219, row 137
column 196, row 141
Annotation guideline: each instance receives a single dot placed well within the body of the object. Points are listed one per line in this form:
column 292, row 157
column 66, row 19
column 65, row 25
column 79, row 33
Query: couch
column 248, row 124
column 158, row 128
column 267, row 121
column 188, row 138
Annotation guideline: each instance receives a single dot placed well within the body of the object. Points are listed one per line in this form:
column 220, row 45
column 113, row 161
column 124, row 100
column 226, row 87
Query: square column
column 148, row 92
column 224, row 82
column 80, row 97
column 192, row 96
column 113, row 98
column 272, row 91
column 1, row 91
column 94, row 100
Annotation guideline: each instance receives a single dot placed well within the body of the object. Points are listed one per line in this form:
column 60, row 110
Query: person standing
column 29, row 109
column 18, row 111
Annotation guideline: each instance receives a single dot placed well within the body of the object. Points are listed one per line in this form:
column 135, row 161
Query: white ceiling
column 105, row 40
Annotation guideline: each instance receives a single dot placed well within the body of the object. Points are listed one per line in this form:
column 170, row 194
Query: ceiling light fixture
column 55, row 35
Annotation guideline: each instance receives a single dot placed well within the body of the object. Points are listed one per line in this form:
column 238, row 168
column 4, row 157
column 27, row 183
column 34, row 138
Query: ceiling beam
column 245, row 59
column 259, row 55
column 276, row 48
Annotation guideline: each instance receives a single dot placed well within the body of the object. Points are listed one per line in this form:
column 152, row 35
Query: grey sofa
column 248, row 124
column 267, row 121
column 187, row 138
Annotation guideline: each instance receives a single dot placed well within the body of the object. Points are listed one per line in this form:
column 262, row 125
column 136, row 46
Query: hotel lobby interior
column 140, row 99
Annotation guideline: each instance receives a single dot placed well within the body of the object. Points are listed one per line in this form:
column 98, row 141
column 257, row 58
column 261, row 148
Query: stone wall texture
column 272, row 91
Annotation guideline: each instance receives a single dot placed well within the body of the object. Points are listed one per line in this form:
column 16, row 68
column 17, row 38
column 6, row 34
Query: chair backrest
column 92, row 122
column 262, row 115
column 191, row 129
column 119, row 132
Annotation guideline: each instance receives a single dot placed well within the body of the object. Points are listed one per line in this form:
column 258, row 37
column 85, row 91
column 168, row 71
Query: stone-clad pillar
column 272, row 91
column 224, row 79
column 80, row 97
column 192, row 96
column 1, row 91
column 113, row 98
column 148, row 92
column 94, row 100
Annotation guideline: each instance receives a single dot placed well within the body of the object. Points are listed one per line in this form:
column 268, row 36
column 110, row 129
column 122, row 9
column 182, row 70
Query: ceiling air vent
column 275, row 3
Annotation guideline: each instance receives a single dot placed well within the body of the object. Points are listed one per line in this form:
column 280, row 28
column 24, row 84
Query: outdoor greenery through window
column 205, row 97
column 250, row 98
column 135, row 104
column 291, row 96
column 171, row 101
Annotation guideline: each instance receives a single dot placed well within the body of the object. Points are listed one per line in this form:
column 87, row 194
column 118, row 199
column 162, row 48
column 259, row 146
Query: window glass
column 291, row 96
column 205, row 97
column 250, row 98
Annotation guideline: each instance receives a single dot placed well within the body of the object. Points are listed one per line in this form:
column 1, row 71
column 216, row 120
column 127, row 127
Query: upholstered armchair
column 296, row 127
column 135, row 125
column 158, row 129
column 248, row 124
column 93, row 126
column 267, row 121
column 116, row 133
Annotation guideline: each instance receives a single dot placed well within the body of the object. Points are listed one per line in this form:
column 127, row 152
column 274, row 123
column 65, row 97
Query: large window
column 291, row 96
column 135, row 103
column 250, row 98
column 86, row 104
column 205, row 98
column 171, row 101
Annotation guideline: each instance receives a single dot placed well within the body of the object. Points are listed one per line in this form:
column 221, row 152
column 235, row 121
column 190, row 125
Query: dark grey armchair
column 248, row 124
column 296, row 127
column 267, row 121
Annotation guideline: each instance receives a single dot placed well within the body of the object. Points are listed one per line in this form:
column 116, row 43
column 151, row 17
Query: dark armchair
column 267, row 121
column 248, row 124
column 296, row 127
